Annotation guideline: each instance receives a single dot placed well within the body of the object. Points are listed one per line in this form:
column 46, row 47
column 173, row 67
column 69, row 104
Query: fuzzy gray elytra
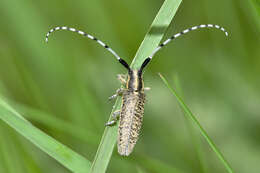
column 133, row 96
column 131, row 115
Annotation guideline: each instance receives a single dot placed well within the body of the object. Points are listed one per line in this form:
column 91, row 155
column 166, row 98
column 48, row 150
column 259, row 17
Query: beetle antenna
column 90, row 37
column 185, row 32
column 178, row 35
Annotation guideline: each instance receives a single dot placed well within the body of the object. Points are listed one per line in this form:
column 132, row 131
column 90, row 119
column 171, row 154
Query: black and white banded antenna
column 147, row 60
column 123, row 62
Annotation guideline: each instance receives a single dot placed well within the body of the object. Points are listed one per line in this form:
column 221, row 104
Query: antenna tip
column 46, row 40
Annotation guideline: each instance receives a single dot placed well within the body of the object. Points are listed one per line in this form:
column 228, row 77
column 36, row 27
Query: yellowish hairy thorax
column 134, row 81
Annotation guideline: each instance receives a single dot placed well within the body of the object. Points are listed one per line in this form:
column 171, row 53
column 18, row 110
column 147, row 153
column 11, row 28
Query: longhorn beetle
column 133, row 97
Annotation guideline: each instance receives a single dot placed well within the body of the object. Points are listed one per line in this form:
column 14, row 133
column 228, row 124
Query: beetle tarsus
column 115, row 117
column 147, row 88
column 119, row 92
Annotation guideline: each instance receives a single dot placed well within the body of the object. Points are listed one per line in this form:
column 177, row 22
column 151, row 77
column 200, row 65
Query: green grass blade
column 150, row 42
column 156, row 31
column 195, row 141
column 55, row 149
column 50, row 120
column 106, row 146
column 202, row 131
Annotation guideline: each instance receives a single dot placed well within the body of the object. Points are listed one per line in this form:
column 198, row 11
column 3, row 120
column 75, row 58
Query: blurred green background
column 63, row 87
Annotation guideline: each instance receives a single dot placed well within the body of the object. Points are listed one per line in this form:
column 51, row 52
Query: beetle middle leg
column 119, row 92
column 115, row 117
column 147, row 88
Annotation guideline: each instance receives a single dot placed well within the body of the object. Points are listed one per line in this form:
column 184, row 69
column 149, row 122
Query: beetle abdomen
column 130, row 123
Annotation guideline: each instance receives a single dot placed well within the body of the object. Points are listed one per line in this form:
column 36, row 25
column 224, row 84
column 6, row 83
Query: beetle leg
column 122, row 78
column 147, row 88
column 119, row 92
column 115, row 117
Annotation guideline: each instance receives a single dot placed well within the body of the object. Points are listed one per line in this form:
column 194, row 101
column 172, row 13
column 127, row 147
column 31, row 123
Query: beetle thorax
column 134, row 81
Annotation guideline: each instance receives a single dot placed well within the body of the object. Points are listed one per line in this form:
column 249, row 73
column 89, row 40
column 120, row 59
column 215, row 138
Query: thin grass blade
column 61, row 153
column 50, row 120
column 195, row 141
column 202, row 131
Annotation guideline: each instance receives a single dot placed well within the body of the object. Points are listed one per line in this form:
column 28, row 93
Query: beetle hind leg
column 115, row 117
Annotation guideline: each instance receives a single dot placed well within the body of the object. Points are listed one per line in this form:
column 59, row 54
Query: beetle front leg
column 122, row 78
column 115, row 117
